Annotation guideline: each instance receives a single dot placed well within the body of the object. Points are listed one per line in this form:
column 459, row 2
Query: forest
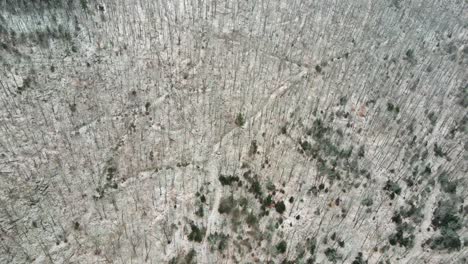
column 221, row 131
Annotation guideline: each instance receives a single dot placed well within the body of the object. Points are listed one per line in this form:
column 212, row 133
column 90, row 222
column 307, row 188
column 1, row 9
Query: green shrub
column 463, row 96
column 367, row 201
column 284, row 130
column 361, row 152
column 318, row 68
column 432, row 118
column 281, row 247
column 306, row 146
column 343, row 100
column 393, row 108
column 199, row 211
column 403, row 237
column 392, row 188
column 280, row 207
column 448, row 239
column 346, row 153
column 311, row 245
column 267, row 201
column 409, row 56
column 359, row 259
column 226, row 205
column 190, row 257
column 396, row 218
column 227, row 180
column 331, row 254
column 253, row 148
column 438, row 151
column 240, row 120
column 318, row 129
column 243, row 202
column 447, row 186
column 445, row 216
column 84, row 4
column 427, row 170
column 390, row 107
column 270, row 186
column 255, row 188
column 251, row 220
column 202, row 198
column 218, row 241
column 412, row 211
column 196, row 234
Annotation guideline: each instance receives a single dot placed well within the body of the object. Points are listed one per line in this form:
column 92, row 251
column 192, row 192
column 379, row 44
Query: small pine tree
column 240, row 120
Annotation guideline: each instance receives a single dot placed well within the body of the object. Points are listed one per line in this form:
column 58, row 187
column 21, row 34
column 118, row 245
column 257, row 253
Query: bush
column 390, row 107
column 319, row 129
column 196, row 234
column 412, row 211
column 218, row 241
column 243, row 202
column 200, row 212
column 396, row 218
column 445, row 216
column 448, row 239
column 331, row 254
column 226, row 205
column 463, row 96
column 318, row 68
column 240, row 120
column 361, row 152
column 280, row 207
column 251, row 220
column 255, row 188
column 253, row 148
column 84, row 4
column 202, row 198
column 403, row 237
column 367, row 201
column 438, row 151
column 270, row 186
column 267, row 201
column 447, row 186
column 359, row 259
column 306, row 146
column 228, row 180
column 281, row 247
column 311, row 245
column 284, row 130
column 343, row 100
column 427, row 170
column 393, row 189
column 346, row 153
column 110, row 173
column 432, row 118
column 409, row 54
column 190, row 257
